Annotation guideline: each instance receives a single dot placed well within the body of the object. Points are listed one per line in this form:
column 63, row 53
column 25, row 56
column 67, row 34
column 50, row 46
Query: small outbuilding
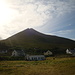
column 35, row 57
column 18, row 53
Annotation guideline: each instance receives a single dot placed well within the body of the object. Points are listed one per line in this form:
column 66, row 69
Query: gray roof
column 20, row 52
column 72, row 51
column 36, row 55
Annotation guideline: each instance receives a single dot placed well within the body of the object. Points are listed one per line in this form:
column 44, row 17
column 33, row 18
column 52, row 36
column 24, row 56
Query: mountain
column 33, row 40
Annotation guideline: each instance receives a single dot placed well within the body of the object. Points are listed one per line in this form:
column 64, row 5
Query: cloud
column 28, row 15
column 65, row 33
column 33, row 13
column 62, row 32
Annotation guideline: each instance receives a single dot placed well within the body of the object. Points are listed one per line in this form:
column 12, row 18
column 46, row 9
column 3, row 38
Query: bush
column 11, row 58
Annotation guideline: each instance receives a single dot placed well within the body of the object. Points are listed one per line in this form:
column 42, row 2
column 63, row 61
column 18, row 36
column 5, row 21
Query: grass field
column 59, row 66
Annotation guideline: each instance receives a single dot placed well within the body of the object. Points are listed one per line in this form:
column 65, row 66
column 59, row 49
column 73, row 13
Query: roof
column 36, row 55
column 3, row 50
column 20, row 52
column 72, row 51
column 47, row 51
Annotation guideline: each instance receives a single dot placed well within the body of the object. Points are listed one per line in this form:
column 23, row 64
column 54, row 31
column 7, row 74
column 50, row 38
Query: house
column 35, row 57
column 71, row 52
column 48, row 53
column 68, row 51
column 18, row 53
column 3, row 51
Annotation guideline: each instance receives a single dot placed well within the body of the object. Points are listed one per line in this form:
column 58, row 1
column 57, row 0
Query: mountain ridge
column 30, row 30
column 33, row 33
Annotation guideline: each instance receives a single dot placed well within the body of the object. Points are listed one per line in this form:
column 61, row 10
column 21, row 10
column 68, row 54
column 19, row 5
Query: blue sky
column 62, row 26
column 52, row 17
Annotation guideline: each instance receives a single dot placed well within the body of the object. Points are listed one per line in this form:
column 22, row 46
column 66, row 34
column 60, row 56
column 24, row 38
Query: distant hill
column 33, row 40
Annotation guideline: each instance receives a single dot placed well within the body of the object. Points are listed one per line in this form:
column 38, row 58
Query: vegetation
column 4, row 58
column 3, row 46
column 50, row 66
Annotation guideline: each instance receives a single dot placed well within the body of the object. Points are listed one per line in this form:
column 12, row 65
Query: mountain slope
column 31, row 38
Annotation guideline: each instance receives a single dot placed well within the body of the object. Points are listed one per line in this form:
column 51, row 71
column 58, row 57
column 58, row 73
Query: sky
column 52, row 17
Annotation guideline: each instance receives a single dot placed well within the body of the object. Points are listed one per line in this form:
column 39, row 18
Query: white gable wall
column 68, row 51
column 14, row 53
column 48, row 53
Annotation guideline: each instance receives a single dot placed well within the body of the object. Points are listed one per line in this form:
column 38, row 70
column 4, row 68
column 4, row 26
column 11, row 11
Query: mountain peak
column 30, row 29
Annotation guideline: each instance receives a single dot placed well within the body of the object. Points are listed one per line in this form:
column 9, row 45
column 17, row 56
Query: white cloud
column 33, row 13
column 28, row 15
column 65, row 31
column 62, row 32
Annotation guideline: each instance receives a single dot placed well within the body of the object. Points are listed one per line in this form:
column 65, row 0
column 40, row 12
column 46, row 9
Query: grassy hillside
column 59, row 66
column 31, row 39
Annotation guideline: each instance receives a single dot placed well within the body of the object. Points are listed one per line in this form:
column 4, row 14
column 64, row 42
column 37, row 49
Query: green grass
column 59, row 66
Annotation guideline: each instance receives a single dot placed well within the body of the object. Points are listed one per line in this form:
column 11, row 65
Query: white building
column 3, row 51
column 18, row 53
column 35, row 57
column 68, row 51
column 48, row 53
column 72, row 52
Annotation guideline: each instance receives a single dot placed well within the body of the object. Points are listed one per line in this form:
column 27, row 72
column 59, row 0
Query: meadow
column 50, row 66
